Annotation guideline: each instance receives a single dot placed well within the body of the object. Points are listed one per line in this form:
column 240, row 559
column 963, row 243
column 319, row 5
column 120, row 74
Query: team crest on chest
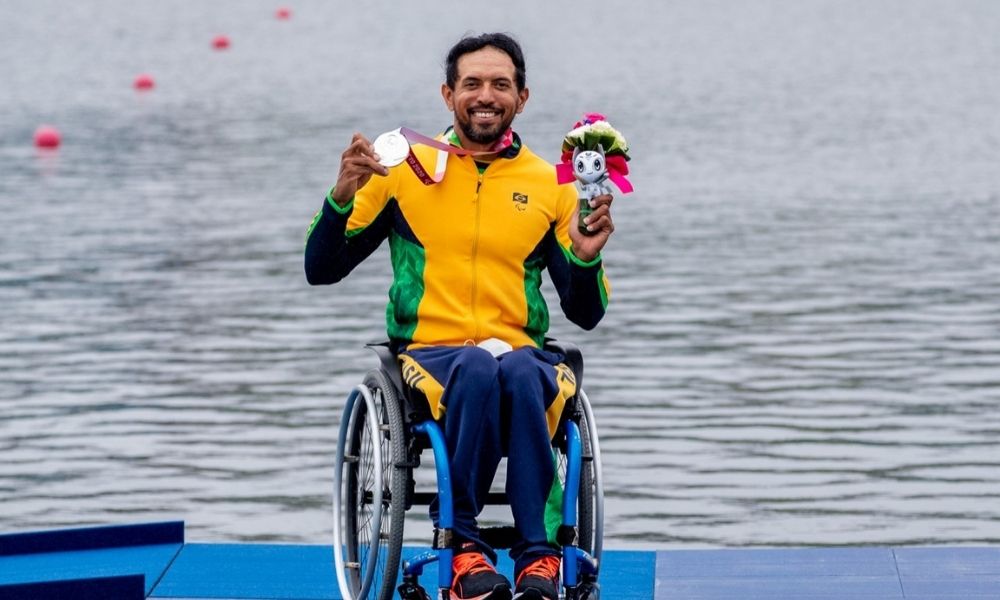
column 520, row 201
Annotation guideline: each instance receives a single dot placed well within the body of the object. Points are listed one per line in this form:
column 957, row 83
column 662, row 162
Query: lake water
column 803, row 342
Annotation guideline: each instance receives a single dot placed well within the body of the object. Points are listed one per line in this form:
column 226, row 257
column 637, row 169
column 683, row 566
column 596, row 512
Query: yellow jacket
column 467, row 253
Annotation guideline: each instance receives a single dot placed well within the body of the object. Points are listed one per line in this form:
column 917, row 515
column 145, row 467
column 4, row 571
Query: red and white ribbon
column 413, row 137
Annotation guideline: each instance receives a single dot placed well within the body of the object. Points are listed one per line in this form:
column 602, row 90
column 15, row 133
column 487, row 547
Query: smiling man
column 465, row 311
column 485, row 95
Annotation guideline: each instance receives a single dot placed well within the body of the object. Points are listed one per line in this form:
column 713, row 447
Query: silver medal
column 391, row 147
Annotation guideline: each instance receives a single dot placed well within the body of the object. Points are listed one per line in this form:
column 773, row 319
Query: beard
column 485, row 135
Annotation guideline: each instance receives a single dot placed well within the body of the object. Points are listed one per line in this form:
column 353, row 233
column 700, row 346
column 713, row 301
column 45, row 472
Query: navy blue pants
column 493, row 407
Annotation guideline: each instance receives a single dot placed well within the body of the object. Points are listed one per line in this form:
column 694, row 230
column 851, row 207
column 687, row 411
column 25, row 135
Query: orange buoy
column 283, row 13
column 144, row 82
column 220, row 42
column 47, row 136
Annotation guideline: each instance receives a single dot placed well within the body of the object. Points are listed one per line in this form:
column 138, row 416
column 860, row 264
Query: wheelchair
column 382, row 434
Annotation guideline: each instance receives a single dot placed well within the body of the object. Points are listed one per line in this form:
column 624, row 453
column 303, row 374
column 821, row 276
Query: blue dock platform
column 153, row 560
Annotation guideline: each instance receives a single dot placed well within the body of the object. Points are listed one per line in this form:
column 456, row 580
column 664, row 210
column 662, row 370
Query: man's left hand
column 587, row 247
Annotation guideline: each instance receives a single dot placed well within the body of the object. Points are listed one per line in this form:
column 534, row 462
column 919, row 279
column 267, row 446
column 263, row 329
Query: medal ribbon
column 443, row 151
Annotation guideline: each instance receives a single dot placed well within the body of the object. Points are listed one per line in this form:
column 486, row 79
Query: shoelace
column 546, row 567
column 469, row 562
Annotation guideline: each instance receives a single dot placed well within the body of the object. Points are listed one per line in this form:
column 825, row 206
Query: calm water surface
column 803, row 345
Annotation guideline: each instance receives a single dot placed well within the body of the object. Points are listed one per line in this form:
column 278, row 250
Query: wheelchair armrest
column 389, row 363
column 415, row 405
column 574, row 358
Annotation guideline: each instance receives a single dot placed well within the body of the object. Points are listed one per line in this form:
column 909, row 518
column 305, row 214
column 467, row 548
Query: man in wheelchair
column 465, row 313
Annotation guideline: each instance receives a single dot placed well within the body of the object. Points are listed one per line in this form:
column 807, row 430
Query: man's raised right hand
column 357, row 165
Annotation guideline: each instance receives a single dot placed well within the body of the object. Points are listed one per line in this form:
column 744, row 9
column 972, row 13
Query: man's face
column 485, row 99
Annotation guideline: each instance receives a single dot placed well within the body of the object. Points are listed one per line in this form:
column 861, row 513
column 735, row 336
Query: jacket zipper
column 475, row 252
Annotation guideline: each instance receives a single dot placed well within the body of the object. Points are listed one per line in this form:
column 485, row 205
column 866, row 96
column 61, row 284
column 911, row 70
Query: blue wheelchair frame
column 575, row 560
column 579, row 568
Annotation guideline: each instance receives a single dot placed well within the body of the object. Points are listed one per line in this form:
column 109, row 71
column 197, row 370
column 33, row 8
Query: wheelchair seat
column 388, row 359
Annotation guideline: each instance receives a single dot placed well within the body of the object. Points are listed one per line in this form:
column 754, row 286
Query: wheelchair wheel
column 591, row 515
column 370, row 491
column 590, row 498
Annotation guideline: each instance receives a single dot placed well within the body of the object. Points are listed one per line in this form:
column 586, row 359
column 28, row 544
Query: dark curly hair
column 500, row 41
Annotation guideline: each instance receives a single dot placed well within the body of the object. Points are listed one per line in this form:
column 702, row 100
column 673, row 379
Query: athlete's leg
column 462, row 388
column 534, row 389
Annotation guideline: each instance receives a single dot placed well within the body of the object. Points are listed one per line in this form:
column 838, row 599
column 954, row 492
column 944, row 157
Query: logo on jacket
column 520, row 201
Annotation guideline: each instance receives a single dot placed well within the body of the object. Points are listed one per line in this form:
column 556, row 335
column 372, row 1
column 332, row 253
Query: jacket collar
column 509, row 152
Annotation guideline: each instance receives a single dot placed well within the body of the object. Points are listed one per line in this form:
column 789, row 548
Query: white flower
column 598, row 132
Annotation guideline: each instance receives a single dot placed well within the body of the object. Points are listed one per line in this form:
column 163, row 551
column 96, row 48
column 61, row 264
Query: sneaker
column 476, row 579
column 539, row 580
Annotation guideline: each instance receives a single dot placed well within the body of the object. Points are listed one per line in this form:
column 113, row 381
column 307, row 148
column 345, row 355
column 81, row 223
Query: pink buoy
column 144, row 82
column 283, row 13
column 220, row 42
column 47, row 136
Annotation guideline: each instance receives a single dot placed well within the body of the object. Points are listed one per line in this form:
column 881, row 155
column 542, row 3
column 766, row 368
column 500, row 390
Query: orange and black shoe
column 539, row 580
column 476, row 579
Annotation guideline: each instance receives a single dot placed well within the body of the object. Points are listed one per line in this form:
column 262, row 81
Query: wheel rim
column 368, row 509
column 342, row 532
column 598, row 479
column 361, row 490
column 590, row 501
